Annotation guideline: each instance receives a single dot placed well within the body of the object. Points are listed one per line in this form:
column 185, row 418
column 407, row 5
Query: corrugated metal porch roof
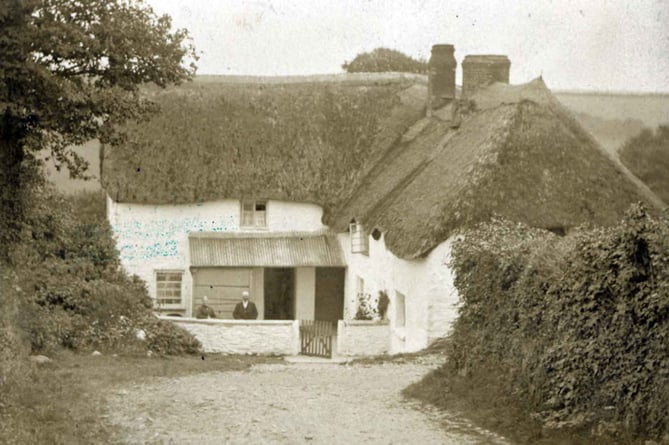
column 264, row 250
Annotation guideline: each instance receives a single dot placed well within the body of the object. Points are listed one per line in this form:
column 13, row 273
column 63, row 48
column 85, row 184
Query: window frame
column 157, row 300
column 254, row 212
column 358, row 233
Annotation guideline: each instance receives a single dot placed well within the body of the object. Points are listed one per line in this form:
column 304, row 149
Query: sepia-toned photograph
column 334, row 222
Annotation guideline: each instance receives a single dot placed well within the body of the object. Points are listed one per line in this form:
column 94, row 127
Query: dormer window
column 254, row 214
column 358, row 238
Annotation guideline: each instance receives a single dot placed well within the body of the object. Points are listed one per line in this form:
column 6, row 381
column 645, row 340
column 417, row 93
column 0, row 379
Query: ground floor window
column 168, row 287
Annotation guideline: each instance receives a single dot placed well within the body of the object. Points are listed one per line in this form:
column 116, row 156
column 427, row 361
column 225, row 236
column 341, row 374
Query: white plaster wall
column 361, row 338
column 244, row 336
column 155, row 237
column 285, row 216
column 427, row 283
column 305, row 293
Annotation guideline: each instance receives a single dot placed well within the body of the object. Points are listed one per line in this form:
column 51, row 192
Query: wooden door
column 222, row 286
column 329, row 293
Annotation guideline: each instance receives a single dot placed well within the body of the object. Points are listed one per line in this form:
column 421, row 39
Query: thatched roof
column 363, row 149
column 305, row 141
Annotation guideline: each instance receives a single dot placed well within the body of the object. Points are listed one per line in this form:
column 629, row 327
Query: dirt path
column 288, row 403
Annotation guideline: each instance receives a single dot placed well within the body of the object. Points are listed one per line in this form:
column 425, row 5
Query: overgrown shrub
column 577, row 327
column 75, row 293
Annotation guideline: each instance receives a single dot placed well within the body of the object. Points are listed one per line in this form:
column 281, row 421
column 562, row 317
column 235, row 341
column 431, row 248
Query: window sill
column 169, row 307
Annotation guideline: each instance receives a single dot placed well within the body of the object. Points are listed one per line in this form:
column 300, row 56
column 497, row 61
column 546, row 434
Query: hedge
column 577, row 326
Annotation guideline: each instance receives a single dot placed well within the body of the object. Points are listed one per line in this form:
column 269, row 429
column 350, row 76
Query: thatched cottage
column 313, row 192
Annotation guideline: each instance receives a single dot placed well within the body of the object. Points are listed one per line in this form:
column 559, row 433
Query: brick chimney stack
column 482, row 70
column 441, row 76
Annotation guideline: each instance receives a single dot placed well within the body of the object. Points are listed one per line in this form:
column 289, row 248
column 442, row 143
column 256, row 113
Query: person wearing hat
column 245, row 309
column 204, row 311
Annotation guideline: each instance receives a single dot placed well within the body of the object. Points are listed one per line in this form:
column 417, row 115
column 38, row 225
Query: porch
column 287, row 275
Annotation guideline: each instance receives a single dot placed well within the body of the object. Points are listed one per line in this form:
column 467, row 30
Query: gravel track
column 289, row 404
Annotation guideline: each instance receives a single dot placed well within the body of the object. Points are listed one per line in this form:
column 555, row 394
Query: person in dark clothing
column 204, row 311
column 245, row 309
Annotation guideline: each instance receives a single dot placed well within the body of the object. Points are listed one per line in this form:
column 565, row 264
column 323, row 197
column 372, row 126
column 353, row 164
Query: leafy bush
column 647, row 156
column 577, row 327
column 75, row 293
column 383, row 60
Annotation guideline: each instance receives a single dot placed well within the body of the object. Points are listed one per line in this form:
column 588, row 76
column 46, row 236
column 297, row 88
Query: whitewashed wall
column 431, row 297
column 155, row 237
column 276, row 337
column 362, row 338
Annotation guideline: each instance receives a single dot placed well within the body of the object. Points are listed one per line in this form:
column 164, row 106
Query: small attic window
column 376, row 234
column 254, row 214
column 359, row 240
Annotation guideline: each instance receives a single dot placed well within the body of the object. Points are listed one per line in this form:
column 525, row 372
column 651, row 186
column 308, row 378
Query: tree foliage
column 647, row 156
column 382, row 60
column 70, row 71
column 577, row 326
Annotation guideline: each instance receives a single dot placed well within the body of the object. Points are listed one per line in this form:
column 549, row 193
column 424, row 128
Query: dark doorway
column 329, row 293
column 279, row 293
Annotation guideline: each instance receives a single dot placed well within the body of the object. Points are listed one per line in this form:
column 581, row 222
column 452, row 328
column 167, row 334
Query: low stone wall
column 281, row 337
column 358, row 337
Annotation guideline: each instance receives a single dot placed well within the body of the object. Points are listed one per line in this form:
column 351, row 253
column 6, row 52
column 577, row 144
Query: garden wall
column 358, row 337
column 279, row 337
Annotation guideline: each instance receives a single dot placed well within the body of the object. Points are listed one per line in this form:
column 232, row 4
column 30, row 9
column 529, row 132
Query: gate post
column 296, row 337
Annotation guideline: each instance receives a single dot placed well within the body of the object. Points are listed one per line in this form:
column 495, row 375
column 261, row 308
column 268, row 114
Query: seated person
column 245, row 309
column 205, row 311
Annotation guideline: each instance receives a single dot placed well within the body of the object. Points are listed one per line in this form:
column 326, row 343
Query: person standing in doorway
column 245, row 309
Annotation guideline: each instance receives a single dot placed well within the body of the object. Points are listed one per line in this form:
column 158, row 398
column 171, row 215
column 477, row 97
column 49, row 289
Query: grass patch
column 63, row 402
column 481, row 398
column 437, row 348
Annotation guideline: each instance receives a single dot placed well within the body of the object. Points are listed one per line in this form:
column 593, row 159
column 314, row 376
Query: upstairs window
column 168, row 288
column 254, row 214
column 359, row 240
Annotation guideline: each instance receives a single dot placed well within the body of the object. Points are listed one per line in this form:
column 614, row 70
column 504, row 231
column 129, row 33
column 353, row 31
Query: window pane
column 260, row 206
column 168, row 287
column 247, row 218
column 260, row 219
column 247, row 206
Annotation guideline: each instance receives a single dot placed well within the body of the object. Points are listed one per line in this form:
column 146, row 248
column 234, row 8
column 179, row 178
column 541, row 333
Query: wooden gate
column 317, row 337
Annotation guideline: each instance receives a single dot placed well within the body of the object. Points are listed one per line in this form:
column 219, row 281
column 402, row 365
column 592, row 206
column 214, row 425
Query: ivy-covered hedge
column 72, row 291
column 577, row 326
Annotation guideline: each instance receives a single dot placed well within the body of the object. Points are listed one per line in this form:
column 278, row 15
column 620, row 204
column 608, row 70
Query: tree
column 70, row 71
column 383, row 60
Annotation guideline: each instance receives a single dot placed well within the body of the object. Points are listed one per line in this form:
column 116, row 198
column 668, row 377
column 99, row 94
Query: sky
column 574, row 44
